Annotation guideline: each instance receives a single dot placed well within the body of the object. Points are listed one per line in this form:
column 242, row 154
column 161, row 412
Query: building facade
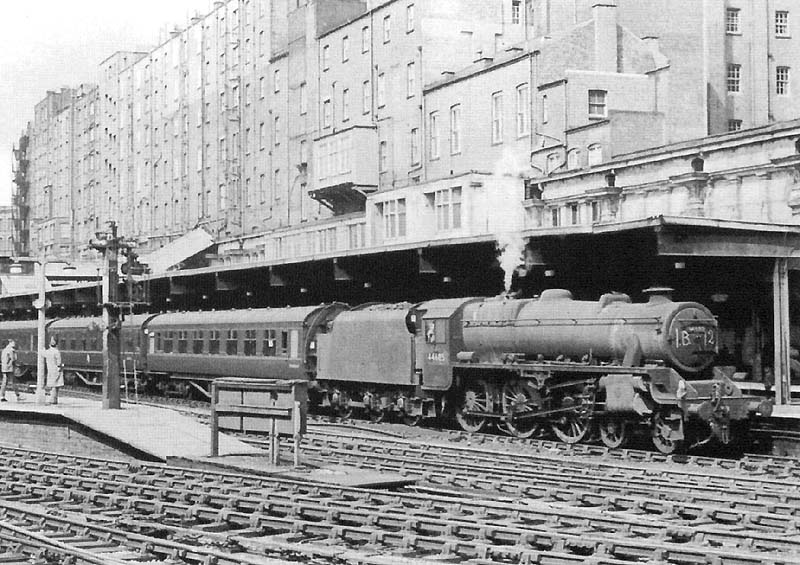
column 263, row 118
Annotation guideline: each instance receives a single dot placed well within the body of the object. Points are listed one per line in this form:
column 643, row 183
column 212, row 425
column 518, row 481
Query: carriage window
column 268, row 345
column 168, row 342
column 84, row 343
column 182, row 341
column 284, row 342
column 213, row 342
column 197, row 341
column 159, row 344
column 73, row 343
column 232, row 345
column 249, row 342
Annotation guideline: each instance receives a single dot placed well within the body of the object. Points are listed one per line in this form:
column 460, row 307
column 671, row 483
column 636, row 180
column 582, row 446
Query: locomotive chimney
column 659, row 294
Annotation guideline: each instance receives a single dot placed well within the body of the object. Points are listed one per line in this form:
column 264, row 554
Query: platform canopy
column 177, row 251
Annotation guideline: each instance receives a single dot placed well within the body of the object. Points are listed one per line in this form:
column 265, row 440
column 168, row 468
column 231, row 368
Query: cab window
column 435, row 331
column 197, row 341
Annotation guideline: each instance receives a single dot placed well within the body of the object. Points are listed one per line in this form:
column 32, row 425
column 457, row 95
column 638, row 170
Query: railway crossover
column 226, row 518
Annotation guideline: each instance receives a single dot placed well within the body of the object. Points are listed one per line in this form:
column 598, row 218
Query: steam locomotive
column 528, row 366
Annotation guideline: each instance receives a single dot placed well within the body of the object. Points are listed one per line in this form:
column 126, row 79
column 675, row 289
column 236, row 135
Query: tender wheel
column 342, row 408
column 661, row 431
column 476, row 398
column 519, row 397
column 572, row 426
column 614, row 432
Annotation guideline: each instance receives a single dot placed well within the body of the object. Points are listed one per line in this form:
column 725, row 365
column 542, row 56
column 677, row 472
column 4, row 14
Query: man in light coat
column 8, row 362
column 55, row 374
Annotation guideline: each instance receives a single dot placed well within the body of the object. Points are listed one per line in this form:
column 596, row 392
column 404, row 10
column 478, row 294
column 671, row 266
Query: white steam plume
column 506, row 209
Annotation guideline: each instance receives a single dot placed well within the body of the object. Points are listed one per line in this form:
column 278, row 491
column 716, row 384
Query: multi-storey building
column 19, row 199
column 269, row 115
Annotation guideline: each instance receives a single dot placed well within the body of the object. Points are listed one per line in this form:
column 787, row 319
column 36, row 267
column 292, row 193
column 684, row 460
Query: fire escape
column 20, row 203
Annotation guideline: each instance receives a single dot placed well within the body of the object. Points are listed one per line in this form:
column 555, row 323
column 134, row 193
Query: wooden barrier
column 246, row 405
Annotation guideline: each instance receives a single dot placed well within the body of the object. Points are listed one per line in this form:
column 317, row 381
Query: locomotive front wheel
column 476, row 398
column 660, row 432
column 519, row 397
column 614, row 432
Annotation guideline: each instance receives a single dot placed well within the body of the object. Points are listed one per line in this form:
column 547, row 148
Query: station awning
column 177, row 251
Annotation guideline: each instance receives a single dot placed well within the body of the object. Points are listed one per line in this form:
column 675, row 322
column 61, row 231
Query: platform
column 156, row 433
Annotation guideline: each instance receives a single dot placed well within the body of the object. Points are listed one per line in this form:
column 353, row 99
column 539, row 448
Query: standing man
column 55, row 374
column 8, row 363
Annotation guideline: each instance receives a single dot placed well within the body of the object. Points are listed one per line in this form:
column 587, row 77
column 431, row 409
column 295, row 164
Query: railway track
column 749, row 463
column 227, row 518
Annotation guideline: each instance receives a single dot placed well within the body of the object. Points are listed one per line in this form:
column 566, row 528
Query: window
column 167, row 342
column 782, row 23
column 574, row 159
column 734, row 125
column 552, row 163
column 268, row 344
column 366, row 97
column 345, row 48
column 276, row 80
column 447, row 203
column 326, row 57
column 381, row 90
column 387, row 29
column 232, row 343
column 409, row 18
column 455, row 129
column 383, row 156
column 213, row 342
column 345, row 104
column 434, row 132
column 410, row 80
column 574, row 214
column 303, row 98
column 782, row 80
column 595, row 155
column 497, row 117
column 554, row 217
column 545, row 110
column 262, row 88
column 515, row 11
column 250, row 342
column 365, row 39
column 597, row 103
column 393, row 214
column 326, row 114
column 523, row 103
column 595, row 212
column 277, row 130
column 734, row 77
column 262, row 135
column 732, row 20
column 183, row 341
column 414, row 146
column 303, row 151
column 284, row 343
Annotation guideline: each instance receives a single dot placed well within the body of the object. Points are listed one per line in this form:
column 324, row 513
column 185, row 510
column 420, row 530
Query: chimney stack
column 604, row 13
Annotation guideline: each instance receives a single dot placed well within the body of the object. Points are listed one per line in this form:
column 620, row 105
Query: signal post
column 110, row 244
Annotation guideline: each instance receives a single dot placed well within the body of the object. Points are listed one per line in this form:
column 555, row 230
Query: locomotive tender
column 526, row 365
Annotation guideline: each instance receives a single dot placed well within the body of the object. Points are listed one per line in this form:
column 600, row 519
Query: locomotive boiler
column 681, row 334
